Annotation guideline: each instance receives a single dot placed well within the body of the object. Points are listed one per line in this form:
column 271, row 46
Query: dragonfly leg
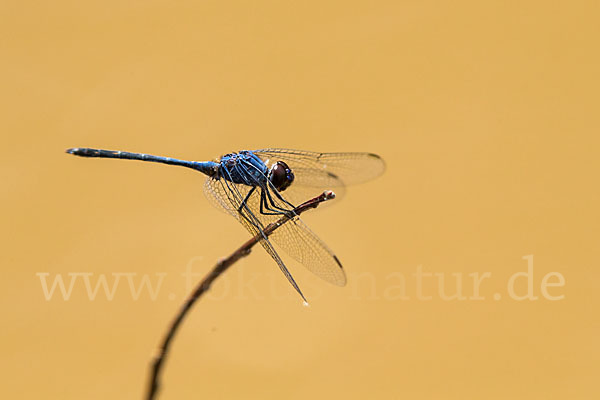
column 232, row 193
column 272, row 202
column 280, row 198
column 243, row 204
column 264, row 205
column 279, row 210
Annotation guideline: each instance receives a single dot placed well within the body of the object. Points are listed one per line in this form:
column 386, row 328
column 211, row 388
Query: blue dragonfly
column 258, row 187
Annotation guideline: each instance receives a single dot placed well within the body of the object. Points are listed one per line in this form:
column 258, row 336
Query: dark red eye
column 281, row 176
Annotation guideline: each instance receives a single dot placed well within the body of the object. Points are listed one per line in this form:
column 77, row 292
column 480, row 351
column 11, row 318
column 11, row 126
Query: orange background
column 487, row 116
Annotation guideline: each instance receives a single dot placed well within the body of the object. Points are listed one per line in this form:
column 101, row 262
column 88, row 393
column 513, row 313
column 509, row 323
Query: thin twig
column 205, row 284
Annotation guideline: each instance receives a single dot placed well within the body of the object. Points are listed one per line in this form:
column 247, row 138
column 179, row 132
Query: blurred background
column 485, row 112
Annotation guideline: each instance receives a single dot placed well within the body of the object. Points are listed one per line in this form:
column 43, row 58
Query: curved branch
column 205, row 284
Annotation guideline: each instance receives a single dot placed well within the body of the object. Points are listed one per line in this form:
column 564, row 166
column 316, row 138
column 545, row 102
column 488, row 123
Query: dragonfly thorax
column 243, row 168
column 247, row 168
column 281, row 176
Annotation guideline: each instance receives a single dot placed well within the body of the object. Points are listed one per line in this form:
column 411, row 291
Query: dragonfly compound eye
column 281, row 176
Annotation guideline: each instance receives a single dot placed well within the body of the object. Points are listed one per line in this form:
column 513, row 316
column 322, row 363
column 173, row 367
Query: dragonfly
column 258, row 187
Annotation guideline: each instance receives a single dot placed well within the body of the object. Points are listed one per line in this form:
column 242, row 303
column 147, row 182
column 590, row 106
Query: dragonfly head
column 281, row 176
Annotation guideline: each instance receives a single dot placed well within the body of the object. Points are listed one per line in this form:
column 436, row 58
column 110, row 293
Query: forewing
column 309, row 182
column 348, row 168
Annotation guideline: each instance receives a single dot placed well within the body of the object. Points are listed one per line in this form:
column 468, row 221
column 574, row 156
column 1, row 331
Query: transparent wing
column 300, row 243
column 217, row 195
column 294, row 237
column 229, row 197
column 331, row 168
column 309, row 182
